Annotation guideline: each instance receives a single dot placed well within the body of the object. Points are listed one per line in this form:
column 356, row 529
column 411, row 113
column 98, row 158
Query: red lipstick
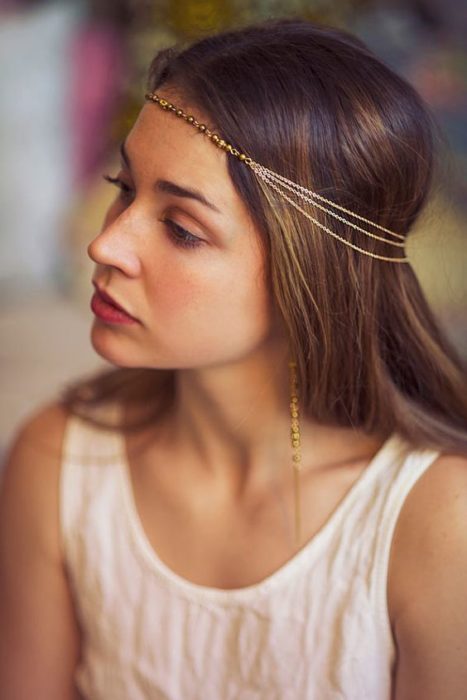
column 106, row 309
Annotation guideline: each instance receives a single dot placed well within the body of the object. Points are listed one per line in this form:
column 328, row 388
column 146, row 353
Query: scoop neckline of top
column 310, row 549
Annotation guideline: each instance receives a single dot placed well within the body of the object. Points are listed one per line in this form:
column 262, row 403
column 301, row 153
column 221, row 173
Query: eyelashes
column 180, row 236
column 125, row 191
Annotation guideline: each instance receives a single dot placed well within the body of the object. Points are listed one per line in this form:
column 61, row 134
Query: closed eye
column 181, row 236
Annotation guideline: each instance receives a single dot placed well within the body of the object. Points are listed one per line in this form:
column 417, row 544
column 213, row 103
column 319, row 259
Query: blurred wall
column 35, row 167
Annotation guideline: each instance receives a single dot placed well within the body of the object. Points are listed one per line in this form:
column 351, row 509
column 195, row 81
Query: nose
column 115, row 246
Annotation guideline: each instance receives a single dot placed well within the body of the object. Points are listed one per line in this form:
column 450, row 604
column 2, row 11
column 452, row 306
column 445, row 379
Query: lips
column 107, row 298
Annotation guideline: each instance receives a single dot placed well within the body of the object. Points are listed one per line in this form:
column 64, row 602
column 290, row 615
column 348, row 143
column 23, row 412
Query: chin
column 111, row 347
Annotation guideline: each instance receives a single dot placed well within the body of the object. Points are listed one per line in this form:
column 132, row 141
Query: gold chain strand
column 335, row 235
column 296, row 449
column 293, row 185
column 310, row 199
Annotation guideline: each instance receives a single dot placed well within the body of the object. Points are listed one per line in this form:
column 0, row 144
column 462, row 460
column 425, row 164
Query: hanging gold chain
column 296, row 453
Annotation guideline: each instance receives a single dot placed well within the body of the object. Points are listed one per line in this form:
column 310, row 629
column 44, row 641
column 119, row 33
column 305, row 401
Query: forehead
column 162, row 145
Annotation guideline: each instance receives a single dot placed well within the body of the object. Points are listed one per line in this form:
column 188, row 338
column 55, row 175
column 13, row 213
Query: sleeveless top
column 315, row 629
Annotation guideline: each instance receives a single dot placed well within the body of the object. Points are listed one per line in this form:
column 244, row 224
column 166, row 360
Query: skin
column 217, row 471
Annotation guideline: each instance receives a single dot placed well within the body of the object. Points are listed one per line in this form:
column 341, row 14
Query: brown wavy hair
column 314, row 104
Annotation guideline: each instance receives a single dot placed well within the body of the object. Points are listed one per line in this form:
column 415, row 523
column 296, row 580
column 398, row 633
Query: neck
column 231, row 424
column 234, row 419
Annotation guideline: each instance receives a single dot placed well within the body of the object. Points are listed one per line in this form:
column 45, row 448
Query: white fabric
column 316, row 629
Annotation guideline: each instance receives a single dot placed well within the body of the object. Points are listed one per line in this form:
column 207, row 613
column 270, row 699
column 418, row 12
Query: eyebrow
column 170, row 187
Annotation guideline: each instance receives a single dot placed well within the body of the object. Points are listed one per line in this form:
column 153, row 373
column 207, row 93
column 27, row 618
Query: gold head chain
column 287, row 189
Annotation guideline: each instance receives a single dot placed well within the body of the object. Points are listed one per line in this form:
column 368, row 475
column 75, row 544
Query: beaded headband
column 287, row 189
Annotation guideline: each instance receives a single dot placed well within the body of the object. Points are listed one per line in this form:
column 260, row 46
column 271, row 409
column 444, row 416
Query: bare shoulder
column 427, row 583
column 29, row 486
column 39, row 630
column 42, row 428
column 431, row 523
column 430, row 509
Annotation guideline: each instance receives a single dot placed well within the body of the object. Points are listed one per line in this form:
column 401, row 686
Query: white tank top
column 315, row 629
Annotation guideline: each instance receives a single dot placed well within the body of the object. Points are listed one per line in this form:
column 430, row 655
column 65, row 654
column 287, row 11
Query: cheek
column 212, row 309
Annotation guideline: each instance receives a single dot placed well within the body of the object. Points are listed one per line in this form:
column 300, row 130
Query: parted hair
column 315, row 105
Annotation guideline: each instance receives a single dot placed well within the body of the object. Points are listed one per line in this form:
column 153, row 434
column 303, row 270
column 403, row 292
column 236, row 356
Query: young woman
column 267, row 497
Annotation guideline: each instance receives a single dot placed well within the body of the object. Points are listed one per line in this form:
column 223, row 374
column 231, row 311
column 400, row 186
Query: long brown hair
column 314, row 104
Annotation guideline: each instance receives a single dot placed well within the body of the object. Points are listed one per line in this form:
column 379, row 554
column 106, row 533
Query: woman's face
column 190, row 272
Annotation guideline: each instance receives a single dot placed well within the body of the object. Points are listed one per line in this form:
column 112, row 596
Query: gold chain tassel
column 298, row 524
column 296, row 454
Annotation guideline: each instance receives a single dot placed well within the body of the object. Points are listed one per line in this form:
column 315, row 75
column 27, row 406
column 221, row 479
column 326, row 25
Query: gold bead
column 295, row 443
column 294, row 414
column 179, row 112
column 222, row 143
column 215, row 138
column 201, row 127
column 190, row 119
column 242, row 156
column 296, row 458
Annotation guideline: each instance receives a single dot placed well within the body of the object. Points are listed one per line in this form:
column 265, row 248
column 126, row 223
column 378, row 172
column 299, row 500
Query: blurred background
column 72, row 78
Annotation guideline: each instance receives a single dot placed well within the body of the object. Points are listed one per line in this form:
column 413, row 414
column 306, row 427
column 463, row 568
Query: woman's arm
column 428, row 586
column 39, row 634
